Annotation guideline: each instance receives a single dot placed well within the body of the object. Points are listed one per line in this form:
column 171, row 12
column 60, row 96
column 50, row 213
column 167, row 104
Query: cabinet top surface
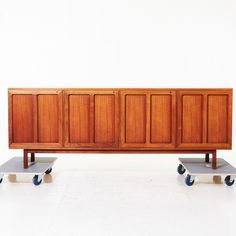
column 120, row 88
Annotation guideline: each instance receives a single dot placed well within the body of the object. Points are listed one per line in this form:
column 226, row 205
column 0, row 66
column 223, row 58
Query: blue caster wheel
column 1, row 180
column 228, row 181
column 181, row 169
column 189, row 181
column 36, row 180
column 47, row 172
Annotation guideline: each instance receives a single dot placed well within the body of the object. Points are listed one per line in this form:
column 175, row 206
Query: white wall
column 107, row 43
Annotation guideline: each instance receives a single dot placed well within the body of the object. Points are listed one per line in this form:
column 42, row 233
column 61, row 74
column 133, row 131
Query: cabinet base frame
column 74, row 151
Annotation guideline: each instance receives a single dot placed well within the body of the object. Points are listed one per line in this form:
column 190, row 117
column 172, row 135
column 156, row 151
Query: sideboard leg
column 26, row 164
column 32, row 157
column 214, row 161
column 207, row 159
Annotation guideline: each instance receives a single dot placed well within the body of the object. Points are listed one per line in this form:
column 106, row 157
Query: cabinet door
column 219, row 119
column 205, row 118
column 148, row 118
column 91, row 118
column 35, row 118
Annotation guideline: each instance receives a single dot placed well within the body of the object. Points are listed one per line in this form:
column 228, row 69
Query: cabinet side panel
column 48, row 119
column 192, row 118
column 135, row 118
column 217, row 119
column 22, row 119
column 79, row 118
column 104, row 118
column 161, row 119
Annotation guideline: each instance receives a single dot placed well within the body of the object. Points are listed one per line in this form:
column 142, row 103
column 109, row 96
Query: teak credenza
column 120, row 120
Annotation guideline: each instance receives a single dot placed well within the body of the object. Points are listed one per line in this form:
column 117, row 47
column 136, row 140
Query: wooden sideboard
column 120, row 120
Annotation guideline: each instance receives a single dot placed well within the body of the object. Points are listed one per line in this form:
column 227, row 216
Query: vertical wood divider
column 10, row 117
column 122, row 117
column 92, row 118
column 179, row 103
column 117, row 117
column 174, row 124
column 35, row 117
column 229, row 120
column 61, row 105
column 66, row 118
column 205, row 118
column 148, row 118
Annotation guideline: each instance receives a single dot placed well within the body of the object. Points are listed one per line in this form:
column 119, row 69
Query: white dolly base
column 198, row 166
column 38, row 168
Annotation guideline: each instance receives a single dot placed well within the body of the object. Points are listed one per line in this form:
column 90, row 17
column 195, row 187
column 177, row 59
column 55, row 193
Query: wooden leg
column 207, row 159
column 26, row 164
column 32, row 157
column 214, row 161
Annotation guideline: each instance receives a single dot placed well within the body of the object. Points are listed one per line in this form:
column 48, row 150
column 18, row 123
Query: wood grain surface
column 119, row 119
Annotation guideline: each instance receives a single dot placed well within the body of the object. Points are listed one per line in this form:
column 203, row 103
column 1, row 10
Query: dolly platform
column 198, row 166
column 37, row 168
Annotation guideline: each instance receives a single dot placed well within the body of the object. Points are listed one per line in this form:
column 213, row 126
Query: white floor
column 116, row 195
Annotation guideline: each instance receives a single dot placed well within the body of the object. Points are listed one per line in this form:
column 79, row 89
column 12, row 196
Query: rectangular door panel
column 35, row 118
column 217, row 119
column 161, row 119
column 135, row 118
column 79, row 118
column 205, row 118
column 91, row 118
column 148, row 118
column 22, row 118
column 192, row 118
column 48, row 119
column 104, row 118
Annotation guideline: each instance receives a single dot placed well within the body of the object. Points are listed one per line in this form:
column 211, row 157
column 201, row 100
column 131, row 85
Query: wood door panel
column 48, row 119
column 205, row 118
column 217, row 119
column 91, row 118
column 148, row 118
column 161, row 119
column 22, row 118
column 35, row 118
column 135, row 118
column 79, row 118
column 104, row 118
column 192, row 118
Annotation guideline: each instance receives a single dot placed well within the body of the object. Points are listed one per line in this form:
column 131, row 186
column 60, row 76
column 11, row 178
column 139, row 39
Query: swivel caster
column 37, row 180
column 189, row 180
column 229, row 181
column 47, row 172
column 181, row 170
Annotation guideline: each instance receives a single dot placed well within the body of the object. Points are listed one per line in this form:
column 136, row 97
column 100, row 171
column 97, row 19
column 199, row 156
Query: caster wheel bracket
column 48, row 171
column 37, row 179
column 180, row 169
column 229, row 180
column 1, row 178
column 189, row 180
